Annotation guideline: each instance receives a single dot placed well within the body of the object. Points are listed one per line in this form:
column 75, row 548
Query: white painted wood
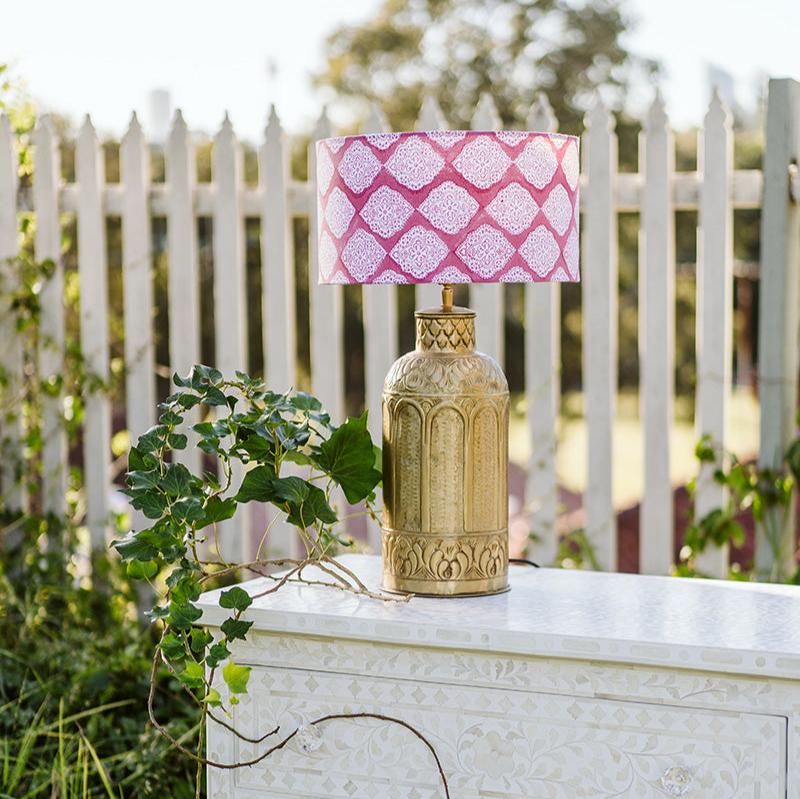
column 657, row 340
column 780, row 308
column 429, row 295
column 379, row 305
column 326, row 317
column 542, row 388
column 12, row 487
column 92, row 272
column 182, row 281
column 487, row 298
column 714, row 336
column 277, row 257
column 140, row 390
column 47, row 246
column 278, row 298
column 599, row 277
column 230, row 308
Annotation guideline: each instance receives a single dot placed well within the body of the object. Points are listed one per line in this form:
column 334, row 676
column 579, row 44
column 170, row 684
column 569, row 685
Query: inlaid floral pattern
column 449, row 206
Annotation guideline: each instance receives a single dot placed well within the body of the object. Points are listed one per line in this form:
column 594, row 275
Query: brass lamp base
column 445, row 462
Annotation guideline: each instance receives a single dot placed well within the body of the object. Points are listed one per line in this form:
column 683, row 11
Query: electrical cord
column 524, row 561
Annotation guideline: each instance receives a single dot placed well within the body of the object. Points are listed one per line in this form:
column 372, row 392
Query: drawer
column 495, row 743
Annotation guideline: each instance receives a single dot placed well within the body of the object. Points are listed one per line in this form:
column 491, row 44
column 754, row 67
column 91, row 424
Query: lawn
column 629, row 443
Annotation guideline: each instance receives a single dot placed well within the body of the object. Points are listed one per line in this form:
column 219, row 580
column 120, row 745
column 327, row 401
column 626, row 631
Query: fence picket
column 92, row 273
column 429, row 295
column 599, row 276
column 380, row 340
column 657, row 340
column 780, row 294
column 11, row 357
column 230, row 309
column 487, row 298
column 714, row 310
column 47, row 246
column 278, row 297
column 326, row 316
column 140, row 389
column 183, row 284
column 542, row 388
column 277, row 257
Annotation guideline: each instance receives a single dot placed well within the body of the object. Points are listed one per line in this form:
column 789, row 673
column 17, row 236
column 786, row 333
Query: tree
column 457, row 49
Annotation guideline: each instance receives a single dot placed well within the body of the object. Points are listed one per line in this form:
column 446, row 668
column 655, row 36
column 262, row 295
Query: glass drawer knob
column 309, row 738
column 676, row 780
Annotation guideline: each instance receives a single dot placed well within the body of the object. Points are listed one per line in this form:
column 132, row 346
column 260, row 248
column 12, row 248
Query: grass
column 628, row 440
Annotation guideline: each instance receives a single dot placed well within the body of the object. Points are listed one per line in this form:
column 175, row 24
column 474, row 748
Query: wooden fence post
column 326, row 315
column 278, row 295
column 140, row 389
column 543, row 387
column 47, row 246
column 183, row 285
column 92, row 271
column 780, row 314
column 230, row 308
column 599, row 276
column 14, row 495
column 714, row 287
column 657, row 340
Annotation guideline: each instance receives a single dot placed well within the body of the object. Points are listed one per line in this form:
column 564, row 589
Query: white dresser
column 572, row 685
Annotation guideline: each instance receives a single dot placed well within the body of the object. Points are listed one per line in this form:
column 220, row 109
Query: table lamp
column 447, row 207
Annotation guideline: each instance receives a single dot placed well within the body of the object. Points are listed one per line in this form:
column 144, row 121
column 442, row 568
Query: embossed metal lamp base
column 445, row 463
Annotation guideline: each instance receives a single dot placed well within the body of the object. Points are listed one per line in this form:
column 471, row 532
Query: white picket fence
column 657, row 191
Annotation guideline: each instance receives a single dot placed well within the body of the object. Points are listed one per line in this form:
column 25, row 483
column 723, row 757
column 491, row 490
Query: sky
column 105, row 56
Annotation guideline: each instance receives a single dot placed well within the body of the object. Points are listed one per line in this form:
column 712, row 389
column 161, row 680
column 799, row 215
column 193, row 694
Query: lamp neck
column 446, row 331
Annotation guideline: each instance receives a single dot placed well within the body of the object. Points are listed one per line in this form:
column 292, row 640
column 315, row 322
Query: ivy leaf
column 178, row 440
column 236, row 677
column 142, row 569
column 257, row 485
column 150, row 503
column 290, row 489
column 217, row 510
column 141, row 461
column 235, row 599
column 177, row 480
column 217, row 654
column 143, row 479
column 173, row 647
column 213, row 698
column 235, row 628
column 257, row 447
column 193, row 675
column 132, row 547
column 213, row 396
column 314, row 506
column 305, row 402
column 793, row 460
column 348, row 458
column 199, row 639
column 183, row 616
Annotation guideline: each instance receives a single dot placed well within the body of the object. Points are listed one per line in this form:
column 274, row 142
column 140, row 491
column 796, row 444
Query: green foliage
column 179, row 550
column 75, row 673
column 765, row 493
column 457, row 49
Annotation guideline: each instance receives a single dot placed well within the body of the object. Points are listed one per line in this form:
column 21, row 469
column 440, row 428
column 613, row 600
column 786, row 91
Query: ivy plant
column 764, row 492
column 293, row 458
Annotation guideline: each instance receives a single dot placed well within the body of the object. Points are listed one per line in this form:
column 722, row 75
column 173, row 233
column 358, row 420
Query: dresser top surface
column 709, row 625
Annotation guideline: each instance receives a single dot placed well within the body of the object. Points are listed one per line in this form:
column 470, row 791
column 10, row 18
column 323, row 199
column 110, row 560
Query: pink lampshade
column 448, row 207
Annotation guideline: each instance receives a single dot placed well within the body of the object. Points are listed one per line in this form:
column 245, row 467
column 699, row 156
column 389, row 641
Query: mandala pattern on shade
column 448, row 207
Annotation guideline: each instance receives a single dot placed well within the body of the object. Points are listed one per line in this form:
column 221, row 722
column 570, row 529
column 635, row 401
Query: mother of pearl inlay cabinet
column 572, row 685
